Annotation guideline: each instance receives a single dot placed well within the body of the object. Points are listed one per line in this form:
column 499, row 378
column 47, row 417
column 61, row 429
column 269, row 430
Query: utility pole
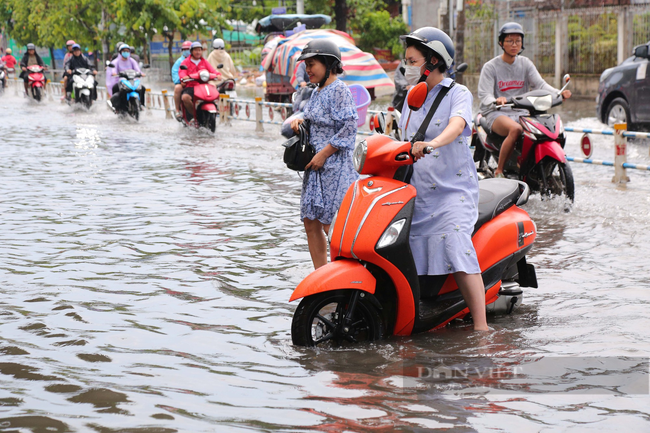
column 460, row 38
column 300, row 6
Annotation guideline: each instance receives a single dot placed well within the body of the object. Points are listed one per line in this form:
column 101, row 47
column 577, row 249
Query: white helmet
column 218, row 44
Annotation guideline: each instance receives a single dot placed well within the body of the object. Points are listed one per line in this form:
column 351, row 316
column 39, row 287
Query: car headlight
column 391, row 234
column 204, row 75
column 541, row 103
column 359, row 155
column 329, row 232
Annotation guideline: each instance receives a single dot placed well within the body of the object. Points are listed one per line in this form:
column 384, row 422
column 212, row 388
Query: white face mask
column 412, row 74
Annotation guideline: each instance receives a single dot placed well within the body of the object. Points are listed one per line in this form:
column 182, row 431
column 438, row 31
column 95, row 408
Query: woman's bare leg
column 473, row 291
column 317, row 242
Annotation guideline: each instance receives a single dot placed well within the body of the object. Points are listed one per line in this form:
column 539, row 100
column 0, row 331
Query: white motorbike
column 83, row 87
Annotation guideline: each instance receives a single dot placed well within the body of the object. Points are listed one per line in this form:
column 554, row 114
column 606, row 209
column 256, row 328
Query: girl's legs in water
column 473, row 291
column 317, row 241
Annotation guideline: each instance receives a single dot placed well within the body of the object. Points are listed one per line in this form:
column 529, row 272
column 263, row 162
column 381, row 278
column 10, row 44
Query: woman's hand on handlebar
column 295, row 125
column 421, row 148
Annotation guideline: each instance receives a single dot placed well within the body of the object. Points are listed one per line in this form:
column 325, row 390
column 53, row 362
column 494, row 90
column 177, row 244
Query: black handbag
column 297, row 150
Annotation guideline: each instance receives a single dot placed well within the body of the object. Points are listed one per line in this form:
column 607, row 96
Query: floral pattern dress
column 333, row 116
column 446, row 207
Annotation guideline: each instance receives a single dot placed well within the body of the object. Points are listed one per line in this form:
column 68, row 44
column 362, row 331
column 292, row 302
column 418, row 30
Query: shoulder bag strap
column 419, row 136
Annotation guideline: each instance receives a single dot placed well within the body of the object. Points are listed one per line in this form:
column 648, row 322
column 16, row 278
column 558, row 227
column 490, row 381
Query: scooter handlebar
column 427, row 150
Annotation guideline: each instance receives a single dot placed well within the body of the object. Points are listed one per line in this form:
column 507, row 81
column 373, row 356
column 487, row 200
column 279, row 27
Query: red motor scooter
column 371, row 289
column 36, row 81
column 538, row 157
column 205, row 110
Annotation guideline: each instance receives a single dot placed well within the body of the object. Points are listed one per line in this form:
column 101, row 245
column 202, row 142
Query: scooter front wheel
column 339, row 317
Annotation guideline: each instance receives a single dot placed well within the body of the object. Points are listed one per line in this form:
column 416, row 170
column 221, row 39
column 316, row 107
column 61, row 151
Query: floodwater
column 145, row 272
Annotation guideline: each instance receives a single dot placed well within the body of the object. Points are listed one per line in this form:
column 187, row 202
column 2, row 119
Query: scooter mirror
column 220, row 65
column 109, row 64
column 146, row 66
column 380, row 123
column 417, row 96
column 462, row 67
column 183, row 67
column 566, row 78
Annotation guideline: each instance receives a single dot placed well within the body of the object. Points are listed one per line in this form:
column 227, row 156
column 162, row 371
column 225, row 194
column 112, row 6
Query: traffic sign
column 586, row 147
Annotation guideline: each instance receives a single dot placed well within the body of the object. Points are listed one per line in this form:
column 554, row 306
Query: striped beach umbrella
column 360, row 67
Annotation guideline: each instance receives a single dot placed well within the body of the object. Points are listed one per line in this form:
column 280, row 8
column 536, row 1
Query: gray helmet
column 435, row 41
column 320, row 47
column 31, row 46
column 511, row 28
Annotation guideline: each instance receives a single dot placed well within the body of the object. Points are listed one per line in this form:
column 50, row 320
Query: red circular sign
column 586, row 147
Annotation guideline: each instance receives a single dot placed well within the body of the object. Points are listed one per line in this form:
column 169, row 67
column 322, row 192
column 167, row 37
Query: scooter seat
column 495, row 139
column 498, row 195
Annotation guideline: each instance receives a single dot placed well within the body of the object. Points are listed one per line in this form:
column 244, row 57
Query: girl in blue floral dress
column 332, row 114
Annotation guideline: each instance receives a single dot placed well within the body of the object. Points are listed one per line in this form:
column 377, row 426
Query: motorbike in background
column 130, row 89
column 3, row 79
column 36, row 81
column 205, row 110
column 83, row 87
column 538, row 157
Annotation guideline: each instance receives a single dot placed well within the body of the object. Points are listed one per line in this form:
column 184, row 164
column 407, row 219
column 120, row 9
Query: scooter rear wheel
column 319, row 319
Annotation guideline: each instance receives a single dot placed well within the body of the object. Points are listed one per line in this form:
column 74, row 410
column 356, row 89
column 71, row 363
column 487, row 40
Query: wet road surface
column 146, row 269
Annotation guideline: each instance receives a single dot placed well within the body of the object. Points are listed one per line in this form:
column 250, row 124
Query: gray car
column 624, row 92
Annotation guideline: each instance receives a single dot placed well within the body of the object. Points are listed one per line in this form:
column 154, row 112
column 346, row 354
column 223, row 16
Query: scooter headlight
column 204, row 75
column 529, row 127
column 329, row 232
column 359, row 155
column 541, row 103
column 391, row 234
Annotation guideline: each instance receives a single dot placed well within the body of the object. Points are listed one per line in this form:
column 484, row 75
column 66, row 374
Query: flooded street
column 145, row 272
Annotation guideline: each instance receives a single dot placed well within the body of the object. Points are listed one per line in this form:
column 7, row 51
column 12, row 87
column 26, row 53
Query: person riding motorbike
column 446, row 206
column 116, row 54
column 123, row 63
column 9, row 61
column 30, row 58
column 134, row 56
column 78, row 60
column 67, row 57
column 194, row 63
column 178, row 88
column 4, row 78
column 68, row 54
column 219, row 56
column 503, row 77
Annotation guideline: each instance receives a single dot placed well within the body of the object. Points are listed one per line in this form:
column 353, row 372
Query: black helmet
column 326, row 49
column 511, row 29
column 320, row 47
column 433, row 40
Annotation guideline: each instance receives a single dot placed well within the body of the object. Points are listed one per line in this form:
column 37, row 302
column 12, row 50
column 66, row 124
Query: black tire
column 36, row 93
column 559, row 179
column 618, row 111
column 479, row 150
column 211, row 123
column 134, row 109
column 318, row 318
column 86, row 101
